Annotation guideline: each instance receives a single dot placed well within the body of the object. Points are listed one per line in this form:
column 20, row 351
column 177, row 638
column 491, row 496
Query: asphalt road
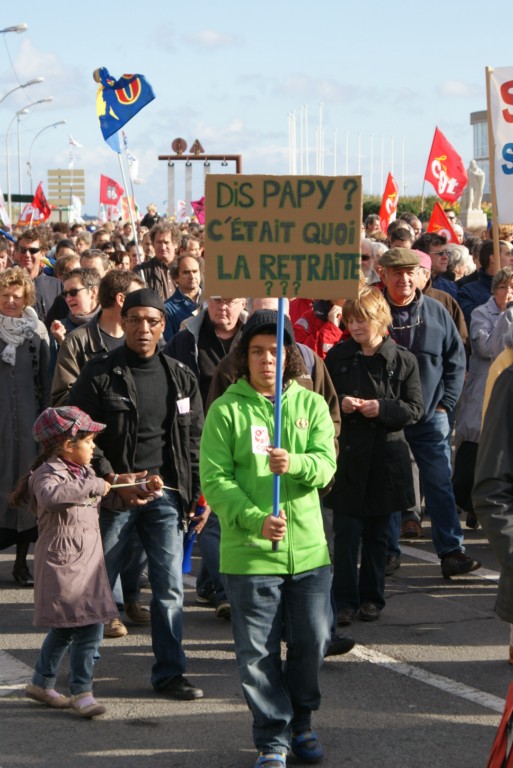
column 424, row 686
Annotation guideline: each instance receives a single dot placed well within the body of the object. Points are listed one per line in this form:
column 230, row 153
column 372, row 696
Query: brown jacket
column 71, row 584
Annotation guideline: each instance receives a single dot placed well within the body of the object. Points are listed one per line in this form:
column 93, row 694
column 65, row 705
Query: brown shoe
column 369, row 612
column 86, row 705
column 345, row 617
column 138, row 613
column 47, row 696
column 115, row 628
column 411, row 529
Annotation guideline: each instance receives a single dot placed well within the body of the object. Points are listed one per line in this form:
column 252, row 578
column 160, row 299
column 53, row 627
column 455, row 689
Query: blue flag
column 117, row 101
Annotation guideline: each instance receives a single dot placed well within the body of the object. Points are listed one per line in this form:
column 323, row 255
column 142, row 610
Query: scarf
column 15, row 330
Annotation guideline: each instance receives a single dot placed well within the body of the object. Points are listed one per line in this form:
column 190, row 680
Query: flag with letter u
column 388, row 210
column 117, row 101
column 445, row 169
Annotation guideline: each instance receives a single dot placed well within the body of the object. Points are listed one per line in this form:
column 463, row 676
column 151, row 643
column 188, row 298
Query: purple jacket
column 71, row 584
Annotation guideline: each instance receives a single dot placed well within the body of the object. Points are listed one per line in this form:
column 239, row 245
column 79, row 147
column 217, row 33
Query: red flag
column 40, row 203
column 110, row 191
column 440, row 224
column 36, row 212
column 388, row 209
column 445, row 169
column 198, row 206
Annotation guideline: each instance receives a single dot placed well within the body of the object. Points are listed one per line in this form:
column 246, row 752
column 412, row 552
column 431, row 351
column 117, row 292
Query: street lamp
column 17, row 115
column 40, row 101
column 16, row 28
column 20, row 112
column 53, row 125
column 29, row 82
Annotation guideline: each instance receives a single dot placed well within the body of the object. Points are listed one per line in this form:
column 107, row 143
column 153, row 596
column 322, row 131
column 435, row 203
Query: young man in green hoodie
column 282, row 594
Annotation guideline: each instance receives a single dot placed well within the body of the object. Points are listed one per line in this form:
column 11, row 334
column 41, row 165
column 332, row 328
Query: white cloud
column 209, row 38
column 459, row 89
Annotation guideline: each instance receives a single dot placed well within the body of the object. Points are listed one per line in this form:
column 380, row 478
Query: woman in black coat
column 379, row 392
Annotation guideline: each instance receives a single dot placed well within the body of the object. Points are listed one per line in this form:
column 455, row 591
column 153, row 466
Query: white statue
column 473, row 193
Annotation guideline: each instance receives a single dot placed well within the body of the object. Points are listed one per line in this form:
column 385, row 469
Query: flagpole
column 277, row 408
column 493, row 191
column 130, row 212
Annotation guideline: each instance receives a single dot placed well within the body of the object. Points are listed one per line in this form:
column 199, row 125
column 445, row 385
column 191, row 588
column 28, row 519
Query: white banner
column 501, row 112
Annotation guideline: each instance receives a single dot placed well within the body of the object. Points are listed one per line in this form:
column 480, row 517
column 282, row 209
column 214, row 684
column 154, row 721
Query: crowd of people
column 127, row 393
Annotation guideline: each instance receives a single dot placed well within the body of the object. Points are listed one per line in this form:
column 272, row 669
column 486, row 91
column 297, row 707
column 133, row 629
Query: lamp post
column 16, row 28
column 20, row 112
column 17, row 115
column 24, row 85
column 41, row 101
column 53, row 125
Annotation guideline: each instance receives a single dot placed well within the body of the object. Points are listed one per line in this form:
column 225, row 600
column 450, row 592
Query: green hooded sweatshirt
column 238, row 484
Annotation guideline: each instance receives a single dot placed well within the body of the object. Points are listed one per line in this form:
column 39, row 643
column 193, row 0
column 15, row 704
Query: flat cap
column 399, row 257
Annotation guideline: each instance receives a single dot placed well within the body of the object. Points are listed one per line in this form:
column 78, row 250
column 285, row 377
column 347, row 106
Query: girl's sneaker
column 86, row 705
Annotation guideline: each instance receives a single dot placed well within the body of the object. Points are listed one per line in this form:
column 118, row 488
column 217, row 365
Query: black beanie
column 144, row 297
column 266, row 321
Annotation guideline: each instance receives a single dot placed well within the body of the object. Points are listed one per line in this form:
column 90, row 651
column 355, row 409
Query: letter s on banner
column 501, row 113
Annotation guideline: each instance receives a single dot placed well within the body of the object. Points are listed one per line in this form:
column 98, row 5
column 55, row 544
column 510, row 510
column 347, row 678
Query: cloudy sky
column 234, row 75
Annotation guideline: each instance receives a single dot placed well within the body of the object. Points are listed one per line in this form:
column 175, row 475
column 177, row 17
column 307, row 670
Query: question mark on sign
column 269, row 286
column 284, row 284
column 297, row 286
column 351, row 186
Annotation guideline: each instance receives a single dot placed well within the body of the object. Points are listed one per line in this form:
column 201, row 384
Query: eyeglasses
column 406, row 327
column 32, row 251
column 73, row 292
column 366, row 258
column 135, row 321
column 445, row 252
column 227, row 302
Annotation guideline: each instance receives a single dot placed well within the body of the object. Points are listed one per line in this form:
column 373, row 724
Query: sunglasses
column 32, row 251
column 72, row 292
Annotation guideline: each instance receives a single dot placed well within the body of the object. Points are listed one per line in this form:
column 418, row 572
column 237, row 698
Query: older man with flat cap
column 423, row 325
column 154, row 416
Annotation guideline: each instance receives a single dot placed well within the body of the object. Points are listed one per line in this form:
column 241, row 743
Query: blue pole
column 277, row 409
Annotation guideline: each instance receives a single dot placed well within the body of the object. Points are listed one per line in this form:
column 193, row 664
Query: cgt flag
column 445, row 169
column 117, row 101
column 440, row 224
column 37, row 211
column 388, row 210
column 110, row 191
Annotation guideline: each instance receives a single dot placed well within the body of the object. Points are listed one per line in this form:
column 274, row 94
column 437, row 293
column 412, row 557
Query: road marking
column 445, row 684
column 14, row 674
column 430, row 557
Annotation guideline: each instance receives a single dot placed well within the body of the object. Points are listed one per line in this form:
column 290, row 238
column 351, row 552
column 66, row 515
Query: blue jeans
column 429, row 442
column 83, row 644
column 128, row 586
column 352, row 587
column 266, row 609
column 160, row 530
column 209, row 541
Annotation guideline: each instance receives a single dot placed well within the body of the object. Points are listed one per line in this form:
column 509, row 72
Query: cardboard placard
column 282, row 236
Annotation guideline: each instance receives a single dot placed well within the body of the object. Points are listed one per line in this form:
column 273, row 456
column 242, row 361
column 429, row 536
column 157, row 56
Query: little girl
column 72, row 594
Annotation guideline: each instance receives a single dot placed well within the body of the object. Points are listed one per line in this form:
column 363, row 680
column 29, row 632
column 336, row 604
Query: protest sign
column 282, row 236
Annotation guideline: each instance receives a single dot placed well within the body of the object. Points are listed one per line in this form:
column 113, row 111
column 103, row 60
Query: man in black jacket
column 153, row 412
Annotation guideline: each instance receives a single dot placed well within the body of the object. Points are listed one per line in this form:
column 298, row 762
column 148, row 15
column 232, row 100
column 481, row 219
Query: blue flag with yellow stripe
column 117, row 101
